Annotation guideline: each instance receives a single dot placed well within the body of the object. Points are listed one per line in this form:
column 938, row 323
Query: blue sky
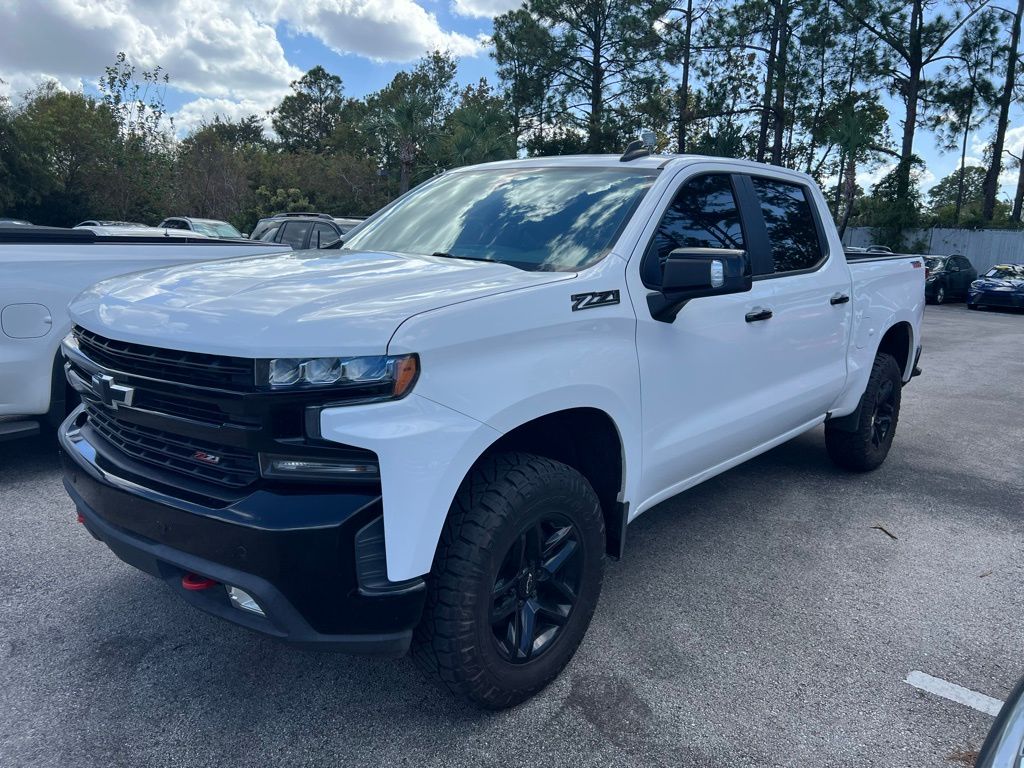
column 233, row 58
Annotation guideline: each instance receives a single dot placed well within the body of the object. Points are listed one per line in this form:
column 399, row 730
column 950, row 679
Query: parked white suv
column 433, row 437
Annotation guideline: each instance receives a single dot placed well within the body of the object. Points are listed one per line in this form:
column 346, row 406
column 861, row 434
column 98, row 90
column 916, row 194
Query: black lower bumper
column 293, row 551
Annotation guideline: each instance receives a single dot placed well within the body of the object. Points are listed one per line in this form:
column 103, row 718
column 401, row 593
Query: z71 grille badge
column 209, row 458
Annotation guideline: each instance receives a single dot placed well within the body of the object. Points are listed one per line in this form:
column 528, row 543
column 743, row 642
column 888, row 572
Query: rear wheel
column 515, row 580
column 866, row 447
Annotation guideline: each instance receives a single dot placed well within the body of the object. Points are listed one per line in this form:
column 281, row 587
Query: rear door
column 811, row 303
column 967, row 275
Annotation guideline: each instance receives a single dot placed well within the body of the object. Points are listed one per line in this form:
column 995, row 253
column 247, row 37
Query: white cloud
column 225, row 53
column 203, row 110
column 484, row 9
column 210, row 47
column 868, row 177
column 384, row 30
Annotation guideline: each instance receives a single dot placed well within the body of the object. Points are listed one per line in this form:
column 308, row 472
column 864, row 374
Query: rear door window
column 789, row 219
column 294, row 233
column 322, row 235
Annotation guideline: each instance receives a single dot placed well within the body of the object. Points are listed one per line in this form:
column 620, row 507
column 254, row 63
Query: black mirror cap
column 688, row 275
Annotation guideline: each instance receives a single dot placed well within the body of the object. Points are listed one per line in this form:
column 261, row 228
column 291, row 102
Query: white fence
column 984, row 247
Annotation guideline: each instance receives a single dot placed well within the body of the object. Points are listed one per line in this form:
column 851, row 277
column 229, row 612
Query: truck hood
column 300, row 303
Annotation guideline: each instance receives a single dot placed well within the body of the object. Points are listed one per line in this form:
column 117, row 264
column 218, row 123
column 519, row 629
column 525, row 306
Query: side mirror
column 245, row 235
column 333, row 245
column 692, row 273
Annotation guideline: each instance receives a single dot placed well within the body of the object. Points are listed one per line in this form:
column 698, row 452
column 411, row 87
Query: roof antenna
column 640, row 147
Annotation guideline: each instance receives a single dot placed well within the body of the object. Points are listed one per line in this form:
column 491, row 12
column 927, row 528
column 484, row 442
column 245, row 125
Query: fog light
column 243, row 600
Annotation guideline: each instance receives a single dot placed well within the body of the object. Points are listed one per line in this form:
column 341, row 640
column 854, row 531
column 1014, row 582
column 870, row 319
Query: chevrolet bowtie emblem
column 110, row 394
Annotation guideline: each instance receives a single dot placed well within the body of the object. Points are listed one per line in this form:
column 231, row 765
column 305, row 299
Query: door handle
column 838, row 298
column 758, row 313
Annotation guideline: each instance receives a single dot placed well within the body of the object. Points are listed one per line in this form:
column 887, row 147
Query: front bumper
column 293, row 550
column 1011, row 299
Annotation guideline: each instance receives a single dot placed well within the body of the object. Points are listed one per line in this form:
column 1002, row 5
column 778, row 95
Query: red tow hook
column 81, row 518
column 194, row 582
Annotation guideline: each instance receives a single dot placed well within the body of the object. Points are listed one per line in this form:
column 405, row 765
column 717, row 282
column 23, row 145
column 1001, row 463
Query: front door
column 701, row 400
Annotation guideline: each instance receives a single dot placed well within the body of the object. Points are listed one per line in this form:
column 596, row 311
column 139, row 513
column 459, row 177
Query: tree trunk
column 913, row 94
column 594, row 142
column 963, row 160
column 849, row 191
column 769, row 87
column 839, row 181
column 779, row 117
column 991, row 185
column 1018, row 199
column 684, row 85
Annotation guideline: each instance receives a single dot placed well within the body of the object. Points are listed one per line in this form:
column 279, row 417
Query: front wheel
column 515, row 580
column 940, row 295
column 866, row 447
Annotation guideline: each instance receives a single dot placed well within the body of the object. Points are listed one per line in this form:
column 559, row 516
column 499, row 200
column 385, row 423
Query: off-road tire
column 862, row 450
column 498, row 502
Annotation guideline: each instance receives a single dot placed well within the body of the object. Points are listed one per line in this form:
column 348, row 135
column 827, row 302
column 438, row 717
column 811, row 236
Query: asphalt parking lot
column 766, row 618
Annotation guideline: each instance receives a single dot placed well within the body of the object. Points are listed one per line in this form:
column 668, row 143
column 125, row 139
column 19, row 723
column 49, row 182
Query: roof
column 653, row 162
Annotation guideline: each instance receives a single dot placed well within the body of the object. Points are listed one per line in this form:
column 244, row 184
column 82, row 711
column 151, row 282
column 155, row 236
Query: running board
column 12, row 430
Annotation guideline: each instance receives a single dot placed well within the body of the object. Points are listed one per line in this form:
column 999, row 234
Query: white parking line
column 954, row 692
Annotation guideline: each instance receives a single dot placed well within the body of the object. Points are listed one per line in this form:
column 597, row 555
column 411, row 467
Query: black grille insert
column 197, row 368
column 229, row 467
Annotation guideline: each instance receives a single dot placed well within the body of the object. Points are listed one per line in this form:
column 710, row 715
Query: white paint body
column 38, row 280
column 500, row 347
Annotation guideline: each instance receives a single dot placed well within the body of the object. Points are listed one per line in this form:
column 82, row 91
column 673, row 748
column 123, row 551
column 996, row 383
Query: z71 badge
column 593, row 299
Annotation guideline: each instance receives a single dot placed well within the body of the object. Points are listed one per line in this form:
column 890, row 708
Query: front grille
column 234, row 467
column 197, row 368
column 999, row 299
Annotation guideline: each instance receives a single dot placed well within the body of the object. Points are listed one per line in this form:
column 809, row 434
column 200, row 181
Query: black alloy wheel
column 536, row 589
column 516, row 578
column 882, row 417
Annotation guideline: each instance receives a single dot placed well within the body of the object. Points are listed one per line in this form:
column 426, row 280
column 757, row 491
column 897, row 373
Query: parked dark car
column 948, row 277
column 1004, row 747
column 300, row 230
column 1001, row 286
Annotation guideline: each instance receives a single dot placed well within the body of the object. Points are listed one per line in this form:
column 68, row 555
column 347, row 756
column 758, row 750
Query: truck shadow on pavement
column 138, row 673
column 146, row 648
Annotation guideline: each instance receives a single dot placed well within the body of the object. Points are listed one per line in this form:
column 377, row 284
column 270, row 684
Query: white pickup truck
column 41, row 270
column 433, row 437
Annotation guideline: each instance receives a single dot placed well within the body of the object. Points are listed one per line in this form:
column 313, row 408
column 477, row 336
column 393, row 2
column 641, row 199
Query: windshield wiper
column 447, row 255
column 517, row 264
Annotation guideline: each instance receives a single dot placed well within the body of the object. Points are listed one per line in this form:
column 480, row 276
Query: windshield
column 558, row 219
column 219, row 229
column 934, row 262
column 1007, row 272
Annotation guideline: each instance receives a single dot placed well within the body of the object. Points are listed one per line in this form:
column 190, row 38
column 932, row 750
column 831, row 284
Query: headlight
column 387, row 376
